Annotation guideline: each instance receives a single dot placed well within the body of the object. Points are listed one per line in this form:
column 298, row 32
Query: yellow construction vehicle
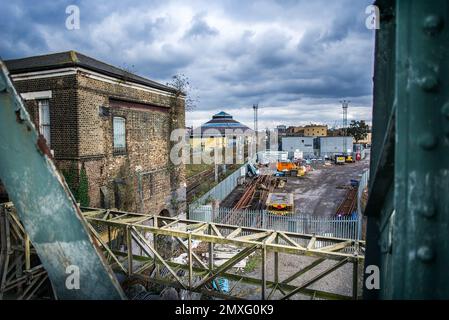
column 280, row 203
column 340, row 159
column 349, row 158
column 301, row 171
column 292, row 168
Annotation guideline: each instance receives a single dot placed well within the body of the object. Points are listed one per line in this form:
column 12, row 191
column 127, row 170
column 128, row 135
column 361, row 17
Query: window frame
column 119, row 150
column 42, row 125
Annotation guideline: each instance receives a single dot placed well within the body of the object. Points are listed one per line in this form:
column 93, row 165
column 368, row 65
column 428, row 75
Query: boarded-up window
column 119, row 131
column 44, row 119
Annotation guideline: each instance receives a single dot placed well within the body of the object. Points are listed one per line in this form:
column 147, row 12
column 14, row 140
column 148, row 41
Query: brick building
column 108, row 129
column 315, row 130
column 312, row 130
column 295, row 131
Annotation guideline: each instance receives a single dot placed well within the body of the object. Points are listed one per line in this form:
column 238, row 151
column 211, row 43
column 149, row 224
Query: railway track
column 194, row 182
column 254, row 197
column 348, row 205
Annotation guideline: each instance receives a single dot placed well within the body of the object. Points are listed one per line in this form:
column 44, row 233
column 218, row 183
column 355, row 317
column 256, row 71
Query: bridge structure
column 129, row 242
column 22, row 274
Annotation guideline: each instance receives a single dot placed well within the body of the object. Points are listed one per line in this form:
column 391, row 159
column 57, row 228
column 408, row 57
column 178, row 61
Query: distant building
column 295, row 131
column 301, row 144
column 216, row 132
column 336, row 132
column 311, row 130
column 367, row 140
column 108, row 126
column 281, row 132
column 281, row 129
column 330, row 146
column 315, row 131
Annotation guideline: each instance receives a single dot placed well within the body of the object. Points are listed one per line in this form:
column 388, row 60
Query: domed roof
column 222, row 115
column 221, row 121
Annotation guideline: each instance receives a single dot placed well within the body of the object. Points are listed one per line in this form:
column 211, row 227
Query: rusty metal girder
column 139, row 231
column 115, row 232
column 21, row 273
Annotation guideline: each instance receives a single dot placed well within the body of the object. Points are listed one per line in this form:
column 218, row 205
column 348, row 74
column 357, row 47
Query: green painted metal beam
column 380, row 202
column 46, row 207
column 420, row 252
column 408, row 209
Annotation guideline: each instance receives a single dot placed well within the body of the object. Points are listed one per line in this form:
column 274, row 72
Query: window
column 119, row 132
column 44, row 119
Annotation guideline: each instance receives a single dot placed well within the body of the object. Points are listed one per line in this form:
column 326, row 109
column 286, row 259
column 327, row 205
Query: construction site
column 312, row 197
column 95, row 207
column 324, row 190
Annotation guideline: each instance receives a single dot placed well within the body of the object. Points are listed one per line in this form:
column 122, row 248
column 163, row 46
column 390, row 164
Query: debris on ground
column 222, row 253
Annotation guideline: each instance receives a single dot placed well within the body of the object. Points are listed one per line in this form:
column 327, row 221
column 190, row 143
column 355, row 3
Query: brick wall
column 63, row 111
column 147, row 116
column 140, row 180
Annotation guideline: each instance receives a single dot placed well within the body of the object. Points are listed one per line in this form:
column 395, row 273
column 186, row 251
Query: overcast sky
column 296, row 59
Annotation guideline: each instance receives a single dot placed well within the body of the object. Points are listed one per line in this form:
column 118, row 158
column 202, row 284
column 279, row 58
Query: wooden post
column 27, row 252
column 130, row 250
column 189, row 244
column 276, row 262
column 211, row 251
column 355, row 280
column 264, row 271
column 109, row 237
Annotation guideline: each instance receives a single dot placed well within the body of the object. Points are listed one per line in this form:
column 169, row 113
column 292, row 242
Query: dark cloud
column 296, row 58
column 200, row 28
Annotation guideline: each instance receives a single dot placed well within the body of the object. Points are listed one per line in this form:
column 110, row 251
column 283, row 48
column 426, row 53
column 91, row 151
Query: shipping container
column 330, row 146
column 298, row 144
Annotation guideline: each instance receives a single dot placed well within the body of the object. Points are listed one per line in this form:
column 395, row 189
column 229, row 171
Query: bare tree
column 182, row 86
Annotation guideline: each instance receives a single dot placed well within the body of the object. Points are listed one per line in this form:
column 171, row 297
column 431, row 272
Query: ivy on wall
column 83, row 188
column 71, row 176
column 78, row 184
column 125, row 188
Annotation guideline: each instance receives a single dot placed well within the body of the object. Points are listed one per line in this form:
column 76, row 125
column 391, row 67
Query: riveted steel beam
column 420, row 252
column 408, row 208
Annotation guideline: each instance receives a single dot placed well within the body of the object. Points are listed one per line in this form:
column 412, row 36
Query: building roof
column 316, row 126
column 222, row 115
column 221, row 121
column 75, row 59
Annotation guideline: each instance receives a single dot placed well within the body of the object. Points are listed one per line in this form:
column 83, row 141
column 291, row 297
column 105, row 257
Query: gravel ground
column 338, row 281
column 316, row 194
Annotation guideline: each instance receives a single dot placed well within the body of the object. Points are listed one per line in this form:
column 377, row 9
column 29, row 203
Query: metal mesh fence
column 344, row 227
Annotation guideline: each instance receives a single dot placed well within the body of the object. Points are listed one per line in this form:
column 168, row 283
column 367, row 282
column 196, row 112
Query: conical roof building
column 218, row 125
